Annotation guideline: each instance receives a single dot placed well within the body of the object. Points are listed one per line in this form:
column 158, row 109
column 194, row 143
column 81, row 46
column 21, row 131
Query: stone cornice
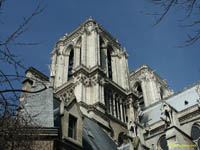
column 190, row 115
column 64, row 86
column 154, row 132
column 38, row 73
column 89, row 73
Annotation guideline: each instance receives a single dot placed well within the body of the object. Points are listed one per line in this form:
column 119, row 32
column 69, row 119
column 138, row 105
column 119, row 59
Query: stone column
column 84, row 47
column 59, row 70
column 97, row 49
column 77, row 56
column 65, row 68
column 121, row 109
column 144, row 92
column 114, row 105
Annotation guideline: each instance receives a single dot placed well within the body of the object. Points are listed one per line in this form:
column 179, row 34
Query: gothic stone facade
column 90, row 89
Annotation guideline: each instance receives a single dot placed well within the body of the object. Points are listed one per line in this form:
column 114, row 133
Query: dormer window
column 72, row 127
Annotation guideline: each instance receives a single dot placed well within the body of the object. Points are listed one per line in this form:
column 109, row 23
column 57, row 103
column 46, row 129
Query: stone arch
column 67, row 50
column 162, row 143
column 195, row 133
column 138, row 87
column 102, row 46
column 122, row 138
column 78, row 42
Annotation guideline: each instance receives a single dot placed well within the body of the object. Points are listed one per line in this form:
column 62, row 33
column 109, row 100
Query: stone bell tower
column 90, row 65
column 86, row 61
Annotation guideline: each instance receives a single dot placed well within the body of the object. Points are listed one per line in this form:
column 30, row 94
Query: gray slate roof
column 152, row 114
column 94, row 138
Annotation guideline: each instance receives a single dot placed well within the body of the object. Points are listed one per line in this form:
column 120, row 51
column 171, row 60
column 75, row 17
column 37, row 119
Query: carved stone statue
column 166, row 113
column 132, row 127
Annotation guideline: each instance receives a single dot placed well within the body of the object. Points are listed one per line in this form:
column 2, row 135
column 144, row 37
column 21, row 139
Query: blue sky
column 155, row 46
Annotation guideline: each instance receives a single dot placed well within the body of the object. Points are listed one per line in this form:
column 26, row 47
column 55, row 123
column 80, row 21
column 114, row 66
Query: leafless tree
column 191, row 15
column 15, row 129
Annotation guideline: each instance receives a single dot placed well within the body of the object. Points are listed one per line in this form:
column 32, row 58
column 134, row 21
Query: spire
column 90, row 19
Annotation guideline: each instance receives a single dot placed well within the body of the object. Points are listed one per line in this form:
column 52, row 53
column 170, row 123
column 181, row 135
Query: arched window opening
column 71, row 63
column 162, row 143
column 195, row 134
column 138, row 89
column 101, row 43
column 161, row 93
column 109, row 64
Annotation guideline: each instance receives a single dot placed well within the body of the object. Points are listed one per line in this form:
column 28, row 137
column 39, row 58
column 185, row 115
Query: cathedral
column 93, row 102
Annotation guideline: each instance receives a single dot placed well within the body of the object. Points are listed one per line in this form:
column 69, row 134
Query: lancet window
column 71, row 63
column 101, row 51
column 109, row 63
column 138, row 89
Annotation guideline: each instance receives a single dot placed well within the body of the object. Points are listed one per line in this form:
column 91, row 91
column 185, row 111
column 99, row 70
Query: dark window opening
column 195, row 132
column 161, row 93
column 141, row 103
column 119, row 109
column 109, row 66
column 163, row 143
column 106, row 100
column 71, row 63
column 126, row 118
column 139, row 89
column 101, row 52
column 116, row 105
column 72, row 127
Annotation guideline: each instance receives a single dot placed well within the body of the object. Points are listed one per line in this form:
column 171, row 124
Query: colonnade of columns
column 115, row 105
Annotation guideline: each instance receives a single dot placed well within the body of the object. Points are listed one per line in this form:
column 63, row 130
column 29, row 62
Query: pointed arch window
column 101, row 51
column 162, row 143
column 195, row 134
column 71, row 63
column 138, row 89
column 109, row 65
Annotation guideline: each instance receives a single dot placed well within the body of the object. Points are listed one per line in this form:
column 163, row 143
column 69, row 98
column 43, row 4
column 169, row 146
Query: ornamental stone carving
column 80, row 79
column 147, row 76
column 198, row 89
column 65, row 96
column 90, row 27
